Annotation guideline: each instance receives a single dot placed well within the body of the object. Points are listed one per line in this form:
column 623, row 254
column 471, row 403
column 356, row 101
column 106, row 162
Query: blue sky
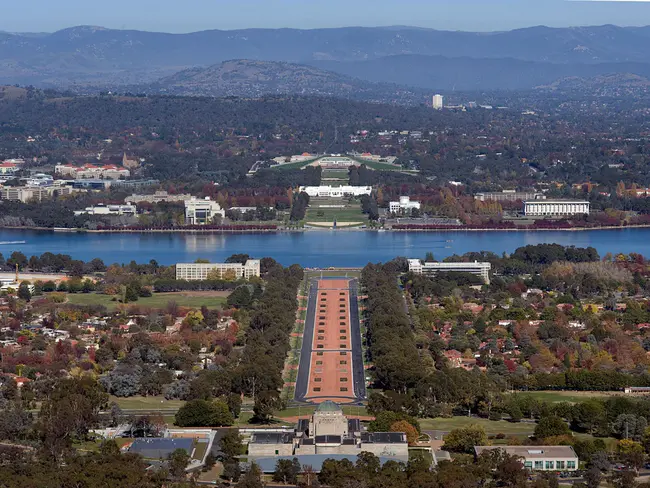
column 193, row 15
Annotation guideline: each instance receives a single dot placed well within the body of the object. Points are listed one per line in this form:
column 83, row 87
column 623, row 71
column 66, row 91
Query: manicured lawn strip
column 199, row 450
column 147, row 404
column 157, row 300
column 566, row 396
column 490, row 426
column 350, row 213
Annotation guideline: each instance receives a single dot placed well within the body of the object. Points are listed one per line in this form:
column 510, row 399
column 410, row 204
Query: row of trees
column 391, row 346
column 299, row 206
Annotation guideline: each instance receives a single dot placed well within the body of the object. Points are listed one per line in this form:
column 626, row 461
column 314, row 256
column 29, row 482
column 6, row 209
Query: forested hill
column 250, row 78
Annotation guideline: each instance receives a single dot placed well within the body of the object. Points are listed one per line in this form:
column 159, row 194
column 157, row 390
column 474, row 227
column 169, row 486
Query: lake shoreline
column 316, row 229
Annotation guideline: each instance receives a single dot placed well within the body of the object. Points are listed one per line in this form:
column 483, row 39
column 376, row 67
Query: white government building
column 403, row 205
column 201, row 212
column 481, row 269
column 555, row 208
column 199, row 271
column 336, row 191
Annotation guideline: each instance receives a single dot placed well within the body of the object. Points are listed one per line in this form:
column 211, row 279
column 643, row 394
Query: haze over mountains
column 341, row 61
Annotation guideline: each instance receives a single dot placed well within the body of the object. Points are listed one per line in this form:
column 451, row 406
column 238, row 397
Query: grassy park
column 566, row 396
column 490, row 426
column 328, row 210
column 157, row 300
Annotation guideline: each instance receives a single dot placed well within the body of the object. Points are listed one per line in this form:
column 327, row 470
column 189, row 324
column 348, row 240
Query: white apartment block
column 200, row 271
column 437, row 102
column 202, row 212
column 336, row 191
column 432, row 268
column 403, row 205
column 555, row 208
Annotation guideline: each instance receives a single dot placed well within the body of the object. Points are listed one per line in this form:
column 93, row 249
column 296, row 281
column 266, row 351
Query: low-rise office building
column 159, row 196
column 509, row 196
column 202, row 212
column 540, row 458
column 481, row 269
column 27, row 194
column 200, row 271
column 555, row 208
column 107, row 171
column 108, row 210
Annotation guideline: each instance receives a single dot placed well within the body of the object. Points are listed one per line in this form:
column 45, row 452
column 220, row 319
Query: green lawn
column 349, row 213
column 490, row 426
column 147, row 404
column 199, row 450
column 157, row 300
column 566, row 396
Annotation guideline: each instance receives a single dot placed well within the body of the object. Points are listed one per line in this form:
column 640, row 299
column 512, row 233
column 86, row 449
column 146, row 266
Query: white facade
column 403, row 205
column 108, row 210
column 336, row 191
column 200, row 271
column 437, row 102
column 555, row 208
column 476, row 268
column 201, row 212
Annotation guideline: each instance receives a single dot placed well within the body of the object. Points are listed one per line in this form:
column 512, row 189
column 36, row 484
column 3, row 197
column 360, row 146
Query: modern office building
column 540, row 458
column 403, row 205
column 201, row 212
column 555, row 208
column 200, row 271
column 330, row 433
column 26, row 194
column 336, row 191
column 108, row 210
column 432, row 268
column 437, row 102
column 159, row 196
column 509, row 196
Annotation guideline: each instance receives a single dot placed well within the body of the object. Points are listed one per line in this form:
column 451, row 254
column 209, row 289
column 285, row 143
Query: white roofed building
column 481, row 269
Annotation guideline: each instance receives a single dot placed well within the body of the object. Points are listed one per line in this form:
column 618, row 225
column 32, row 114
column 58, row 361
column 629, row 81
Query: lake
column 311, row 248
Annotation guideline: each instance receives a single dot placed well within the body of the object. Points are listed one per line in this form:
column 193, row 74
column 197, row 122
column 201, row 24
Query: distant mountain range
column 415, row 57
